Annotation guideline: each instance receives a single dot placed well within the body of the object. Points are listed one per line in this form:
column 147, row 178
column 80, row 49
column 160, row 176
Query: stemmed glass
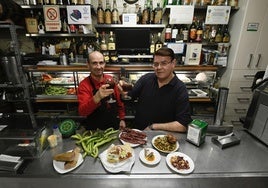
column 111, row 83
column 126, row 86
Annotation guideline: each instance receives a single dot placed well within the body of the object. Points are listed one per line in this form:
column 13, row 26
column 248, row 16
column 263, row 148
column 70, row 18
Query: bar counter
column 243, row 165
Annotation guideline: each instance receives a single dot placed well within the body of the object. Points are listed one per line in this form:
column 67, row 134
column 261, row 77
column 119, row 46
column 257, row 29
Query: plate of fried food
column 118, row 158
column 68, row 161
column 134, row 137
column 150, row 156
column 165, row 143
column 180, row 162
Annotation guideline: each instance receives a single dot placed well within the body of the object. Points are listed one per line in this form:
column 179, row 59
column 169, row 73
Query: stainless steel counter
column 244, row 165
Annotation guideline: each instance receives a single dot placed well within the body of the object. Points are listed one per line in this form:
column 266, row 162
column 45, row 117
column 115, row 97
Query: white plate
column 132, row 145
column 156, row 154
column 154, row 138
column 185, row 157
column 59, row 166
column 124, row 166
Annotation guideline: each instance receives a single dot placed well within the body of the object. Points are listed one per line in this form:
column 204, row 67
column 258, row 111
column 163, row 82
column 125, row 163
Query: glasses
column 95, row 63
column 161, row 64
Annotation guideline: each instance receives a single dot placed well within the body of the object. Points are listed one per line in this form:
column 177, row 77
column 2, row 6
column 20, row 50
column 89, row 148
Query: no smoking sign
column 51, row 13
column 52, row 18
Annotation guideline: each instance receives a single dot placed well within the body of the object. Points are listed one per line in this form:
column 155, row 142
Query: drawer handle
column 243, row 99
column 245, row 88
column 258, row 62
column 236, row 122
column 249, row 76
column 240, row 111
column 250, row 59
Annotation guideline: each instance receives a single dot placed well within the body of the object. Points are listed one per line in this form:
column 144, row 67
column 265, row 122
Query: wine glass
column 126, row 86
column 111, row 83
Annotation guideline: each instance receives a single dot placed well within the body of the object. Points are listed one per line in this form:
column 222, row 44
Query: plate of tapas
column 165, row 143
column 118, row 158
column 180, row 163
column 68, row 161
column 149, row 156
column 134, row 137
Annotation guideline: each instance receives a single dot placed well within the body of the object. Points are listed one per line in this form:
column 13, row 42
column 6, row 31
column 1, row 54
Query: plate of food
column 165, row 143
column 150, row 156
column 134, row 137
column 180, row 163
column 68, row 161
column 118, row 158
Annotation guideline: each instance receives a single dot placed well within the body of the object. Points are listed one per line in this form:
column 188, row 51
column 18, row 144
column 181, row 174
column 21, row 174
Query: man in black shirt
column 163, row 102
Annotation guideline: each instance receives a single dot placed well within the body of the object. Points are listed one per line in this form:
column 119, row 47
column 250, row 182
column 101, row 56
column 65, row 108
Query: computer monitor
column 132, row 41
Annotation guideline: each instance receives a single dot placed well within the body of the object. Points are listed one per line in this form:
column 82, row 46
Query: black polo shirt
column 160, row 105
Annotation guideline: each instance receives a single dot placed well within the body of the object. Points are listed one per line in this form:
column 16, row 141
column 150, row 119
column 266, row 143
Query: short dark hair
column 164, row 51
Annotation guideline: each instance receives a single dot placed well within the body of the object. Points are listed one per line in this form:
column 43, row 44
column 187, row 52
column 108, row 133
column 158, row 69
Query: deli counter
column 242, row 165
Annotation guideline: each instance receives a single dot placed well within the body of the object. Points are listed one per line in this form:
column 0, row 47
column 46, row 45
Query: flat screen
column 132, row 41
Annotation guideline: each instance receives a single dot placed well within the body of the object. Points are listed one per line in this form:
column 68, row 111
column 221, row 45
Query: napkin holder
column 225, row 141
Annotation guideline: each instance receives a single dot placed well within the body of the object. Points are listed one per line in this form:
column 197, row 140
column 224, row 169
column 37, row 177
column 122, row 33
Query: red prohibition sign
column 52, row 14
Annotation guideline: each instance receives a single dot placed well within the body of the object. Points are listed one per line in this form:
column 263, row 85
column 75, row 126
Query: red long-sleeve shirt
column 86, row 102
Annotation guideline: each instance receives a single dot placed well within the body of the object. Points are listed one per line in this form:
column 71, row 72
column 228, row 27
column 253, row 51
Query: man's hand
column 102, row 93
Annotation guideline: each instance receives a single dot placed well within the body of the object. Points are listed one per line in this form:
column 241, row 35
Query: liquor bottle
column 74, row 2
column 100, row 13
column 192, row 31
column 138, row 12
column 53, row 2
column 46, row 2
column 97, row 42
column 60, row 2
column 151, row 12
column 73, row 51
column 212, row 34
column 115, row 13
column 87, row 2
column 111, row 41
column 123, row 12
column 174, row 32
column 158, row 12
column 185, row 33
column 145, row 13
column 40, row 2
column 158, row 43
column 152, row 45
column 81, row 2
column 108, row 13
column 168, row 33
column 219, row 35
column 80, row 47
column 226, row 35
column 103, row 44
column 199, row 31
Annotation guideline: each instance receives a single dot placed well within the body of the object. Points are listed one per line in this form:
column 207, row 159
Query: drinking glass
column 111, row 83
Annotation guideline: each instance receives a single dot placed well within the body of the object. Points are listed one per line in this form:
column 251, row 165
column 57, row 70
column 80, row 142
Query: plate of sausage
column 134, row 137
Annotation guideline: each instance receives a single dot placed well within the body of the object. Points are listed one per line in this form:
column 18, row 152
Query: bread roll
column 71, row 164
column 63, row 157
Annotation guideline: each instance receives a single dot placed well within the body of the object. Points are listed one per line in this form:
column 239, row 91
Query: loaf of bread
column 64, row 157
column 71, row 164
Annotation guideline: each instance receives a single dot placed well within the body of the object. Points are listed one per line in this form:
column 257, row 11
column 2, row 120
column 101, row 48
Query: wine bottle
column 168, row 33
column 158, row 12
column 192, row 31
column 108, row 13
column 100, row 13
column 115, row 13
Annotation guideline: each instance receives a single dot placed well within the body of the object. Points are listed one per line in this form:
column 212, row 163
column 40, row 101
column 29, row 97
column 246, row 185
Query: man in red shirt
column 93, row 95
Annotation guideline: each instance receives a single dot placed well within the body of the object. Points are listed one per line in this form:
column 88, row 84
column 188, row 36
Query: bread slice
column 71, row 164
column 63, row 157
